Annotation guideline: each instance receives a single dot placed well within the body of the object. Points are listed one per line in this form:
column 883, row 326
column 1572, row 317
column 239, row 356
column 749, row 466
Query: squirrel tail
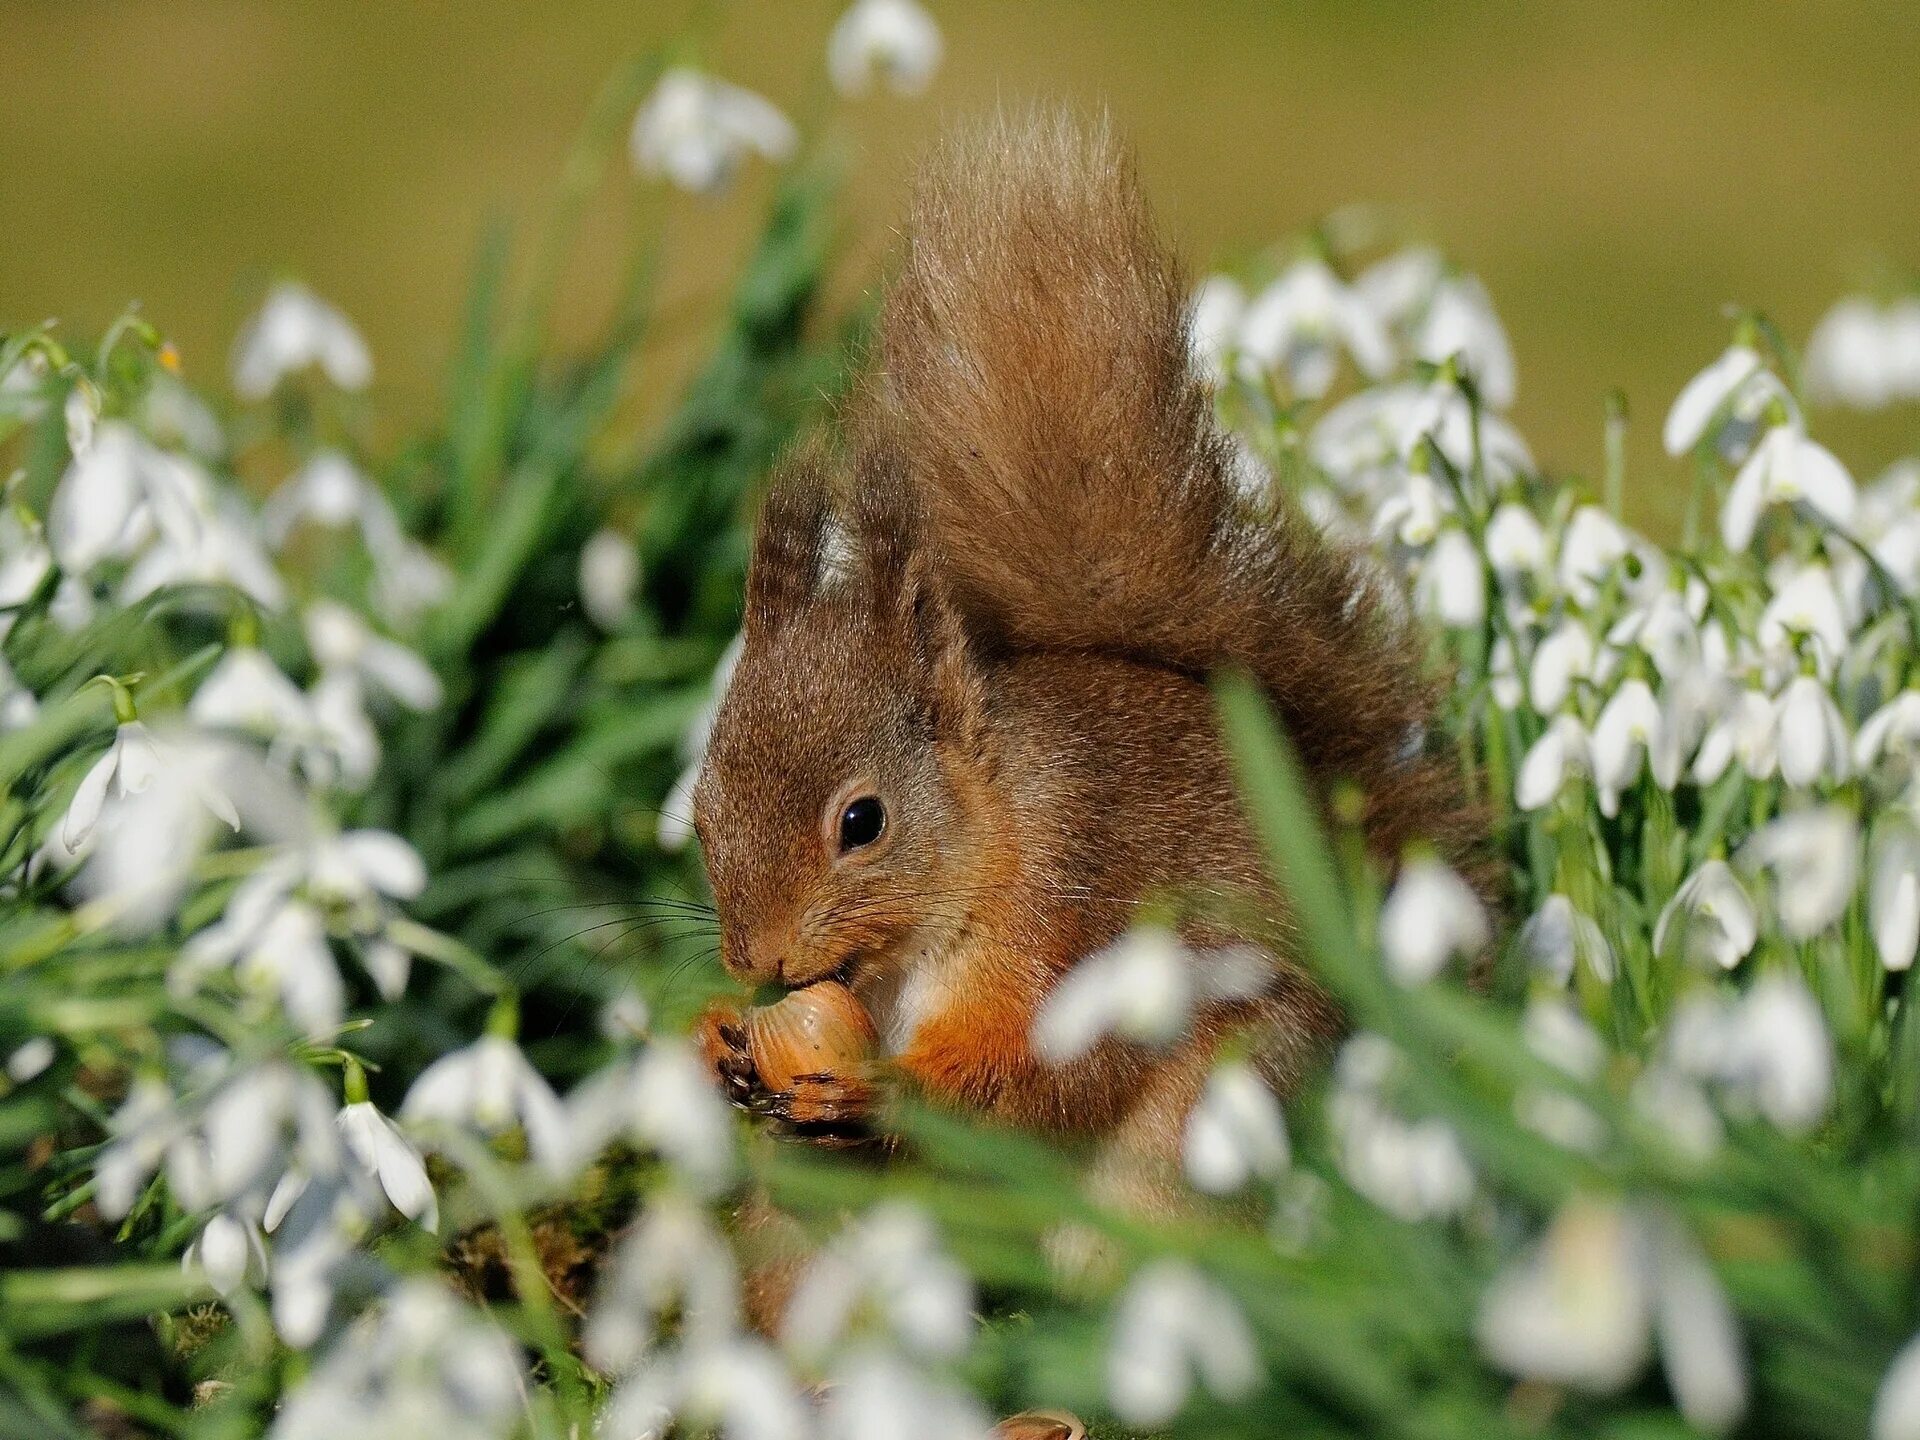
column 1074, row 486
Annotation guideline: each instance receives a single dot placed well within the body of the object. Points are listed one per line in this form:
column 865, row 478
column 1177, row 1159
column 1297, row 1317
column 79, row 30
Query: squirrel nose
column 754, row 958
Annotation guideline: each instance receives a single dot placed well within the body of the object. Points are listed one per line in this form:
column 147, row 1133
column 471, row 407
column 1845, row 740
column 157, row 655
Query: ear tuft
column 789, row 546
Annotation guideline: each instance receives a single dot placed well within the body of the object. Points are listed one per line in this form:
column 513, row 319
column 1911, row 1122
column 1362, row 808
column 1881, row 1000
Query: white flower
column 1413, row 1169
column 342, row 641
column 1565, row 655
column 1717, row 920
column 294, row 329
column 1893, row 729
column 1453, row 583
column 1173, row 1327
column 1236, row 1132
column 1814, row 857
column 1460, row 320
column 221, row 550
column 875, row 1395
column 228, row 1251
column 695, row 130
column 330, row 491
column 113, row 498
column 386, row 1154
column 1812, row 734
column 887, row 1265
column 1557, row 936
column 1430, row 916
column 1778, row 1052
column 1563, row 750
column 664, row 1100
column 1863, row 356
column 1632, row 727
column 1516, row 543
column 1554, row 1030
column 489, row 1087
column 81, row 413
column 1142, row 987
column 1748, row 730
column 1594, row 548
column 1398, row 288
column 24, row 557
column 1576, row 1312
column 1893, row 893
column 672, row 1265
column 1896, row 1408
column 30, row 1059
column 1806, row 604
column 1737, row 385
column 130, row 765
column 1785, row 467
column 246, row 691
column 274, row 946
column 408, row 580
column 1301, row 322
column 895, row 39
column 738, row 1389
column 609, row 578
column 1218, row 307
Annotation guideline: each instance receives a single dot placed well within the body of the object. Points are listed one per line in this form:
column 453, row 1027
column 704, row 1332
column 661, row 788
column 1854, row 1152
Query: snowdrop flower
column 247, row 692
column 293, row 330
column 228, row 1251
column 1812, row 735
column 1430, row 916
column 408, row 581
column 30, row 1059
column 1865, row 357
column 421, row 1363
column 1516, row 543
column 1785, row 467
column 117, row 494
column 1398, row 288
column 328, row 490
column 1453, row 583
column 1806, row 604
column 1175, row 1327
column 1814, row 858
column 1236, row 1133
column 1143, row 987
column 24, row 557
column 1576, row 1311
column 1893, row 893
column 490, row 1087
column 1439, row 413
column 895, row 39
column 1413, row 515
column 1747, row 730
column 1896, row 1407
column 1631, row 728
column 1594, row 547
column 1301, row 322
column 1557, row 936
column 130, row 765
column 1715, row 917
column 384, row 1152
column 1778, row 1053
column 672, row 1265
column 342, row 641
column 222, row 550
column 874, row 1395
column 1414, row 1170
column 1218, row 307
column 695, row 130
column 1503, row 675
column 1892, row 730
column 1562, row 751
column 1460, row 320
column 274, row 946
column 887, row 1264
column 81, row 413
column 1565, row 655
column 343, row 748
column 663, row 1100
column 1736, row 387
column 738, row 1389
column 609, row 578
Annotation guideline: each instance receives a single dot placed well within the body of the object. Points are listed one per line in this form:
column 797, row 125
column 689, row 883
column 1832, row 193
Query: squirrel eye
column 861, row 822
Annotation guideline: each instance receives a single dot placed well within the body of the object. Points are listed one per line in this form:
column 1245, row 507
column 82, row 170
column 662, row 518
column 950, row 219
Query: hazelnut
column 821, row 1030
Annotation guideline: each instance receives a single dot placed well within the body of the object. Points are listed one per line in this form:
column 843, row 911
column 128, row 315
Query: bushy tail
column 1035, row 370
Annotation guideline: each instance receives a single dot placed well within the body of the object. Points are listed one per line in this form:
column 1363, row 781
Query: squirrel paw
column 821, row 1102
column 722, row 1037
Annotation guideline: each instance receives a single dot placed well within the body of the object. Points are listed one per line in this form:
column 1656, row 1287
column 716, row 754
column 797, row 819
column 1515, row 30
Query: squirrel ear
column 940, row 639
column 790, row 542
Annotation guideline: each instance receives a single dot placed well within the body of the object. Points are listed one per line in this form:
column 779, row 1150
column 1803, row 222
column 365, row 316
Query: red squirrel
column 971, row 734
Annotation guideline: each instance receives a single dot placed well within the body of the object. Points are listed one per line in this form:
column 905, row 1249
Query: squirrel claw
column 722, row 1039
column 822, row 1102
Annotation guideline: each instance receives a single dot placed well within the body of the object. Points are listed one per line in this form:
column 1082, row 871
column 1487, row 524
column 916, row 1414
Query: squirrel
column 970, row 736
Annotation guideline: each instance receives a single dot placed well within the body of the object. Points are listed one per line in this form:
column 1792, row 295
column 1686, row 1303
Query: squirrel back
column 1074, row 488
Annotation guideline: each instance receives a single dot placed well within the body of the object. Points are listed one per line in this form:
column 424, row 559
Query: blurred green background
column 1617, row 173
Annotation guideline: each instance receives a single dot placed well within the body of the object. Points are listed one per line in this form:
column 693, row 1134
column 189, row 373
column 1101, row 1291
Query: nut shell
column 821, row 1030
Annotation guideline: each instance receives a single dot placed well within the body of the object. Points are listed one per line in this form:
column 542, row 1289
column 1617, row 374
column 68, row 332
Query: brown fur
column 1001, row 618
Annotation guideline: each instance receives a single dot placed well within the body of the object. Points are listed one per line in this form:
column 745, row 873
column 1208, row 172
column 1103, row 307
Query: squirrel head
column 832, row 804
